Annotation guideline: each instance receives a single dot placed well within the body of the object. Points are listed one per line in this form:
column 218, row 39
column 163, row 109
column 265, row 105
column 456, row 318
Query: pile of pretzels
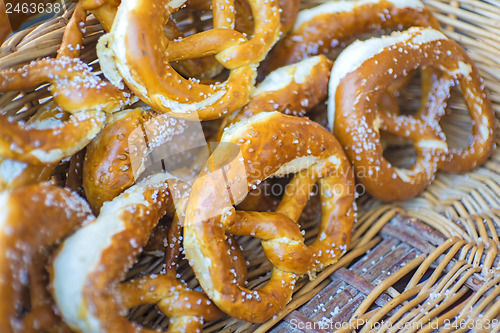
column 171, row 136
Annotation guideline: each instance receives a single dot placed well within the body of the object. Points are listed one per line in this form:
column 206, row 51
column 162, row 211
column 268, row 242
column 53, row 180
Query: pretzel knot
column 33, row 219
column 87, row 287
column 270, row 144
column 366, row 69
column 137, row 50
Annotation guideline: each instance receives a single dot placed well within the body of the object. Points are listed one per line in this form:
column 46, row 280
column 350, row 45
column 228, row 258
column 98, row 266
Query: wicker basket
column 414, row 266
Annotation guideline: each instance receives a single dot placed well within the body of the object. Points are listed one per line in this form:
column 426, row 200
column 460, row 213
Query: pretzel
column 15, row 174
column 363, row 72
column 129, row 137
column 107, row 168
column 325, row 28
column 288, row 9
column 269, row 144
column 74, row 89
column 150, row 76
column 292, row 89
column 33, row 219
column 86, row 285
column 50, row 141
column 74, row 86
column 103, row 10
column 203, row 68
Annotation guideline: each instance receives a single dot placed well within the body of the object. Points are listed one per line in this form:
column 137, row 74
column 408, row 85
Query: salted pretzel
column 150, row 76
column 74, row 88
column 288, row 9
column 363, row 72
column 329, row 26
column 15, row 174
column 107, row 169
column 86, row 286
column 50, row 141
column 130, row 136
column 268, row 144
column 291, row 89
column 33, row 219
column 202, row 68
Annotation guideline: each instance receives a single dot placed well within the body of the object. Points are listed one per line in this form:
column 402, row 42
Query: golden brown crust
column 377, row 73
column 266, row 143
column 329, row 31
column 28, row 174
column 296, row 98
column 34, row 218
column 73, row 84
column 101, row 300
column 289, row 9
column 145, row 67
column 107, row 170
column 41, row 146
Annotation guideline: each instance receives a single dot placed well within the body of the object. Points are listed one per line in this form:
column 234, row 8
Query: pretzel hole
column 151, row 261
column 400, row 154
column 409, row 96
column 190, row 21
column 457, row 123
column 35, row 295
column 149, row 317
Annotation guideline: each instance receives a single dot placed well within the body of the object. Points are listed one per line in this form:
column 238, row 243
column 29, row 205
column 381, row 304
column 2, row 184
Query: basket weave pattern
column 419, row 264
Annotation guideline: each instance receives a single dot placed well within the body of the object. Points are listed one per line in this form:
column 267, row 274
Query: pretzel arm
column 71, row 43
column 294, row 258
column 58, row 212
column 292, row 89
column 481, row 112
column 223, row 14
column 328, row 27
column 30, row 75
column 40, row 146
column 266, row 32
column 203, row 44
column 103, row 10
column 171, row 295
